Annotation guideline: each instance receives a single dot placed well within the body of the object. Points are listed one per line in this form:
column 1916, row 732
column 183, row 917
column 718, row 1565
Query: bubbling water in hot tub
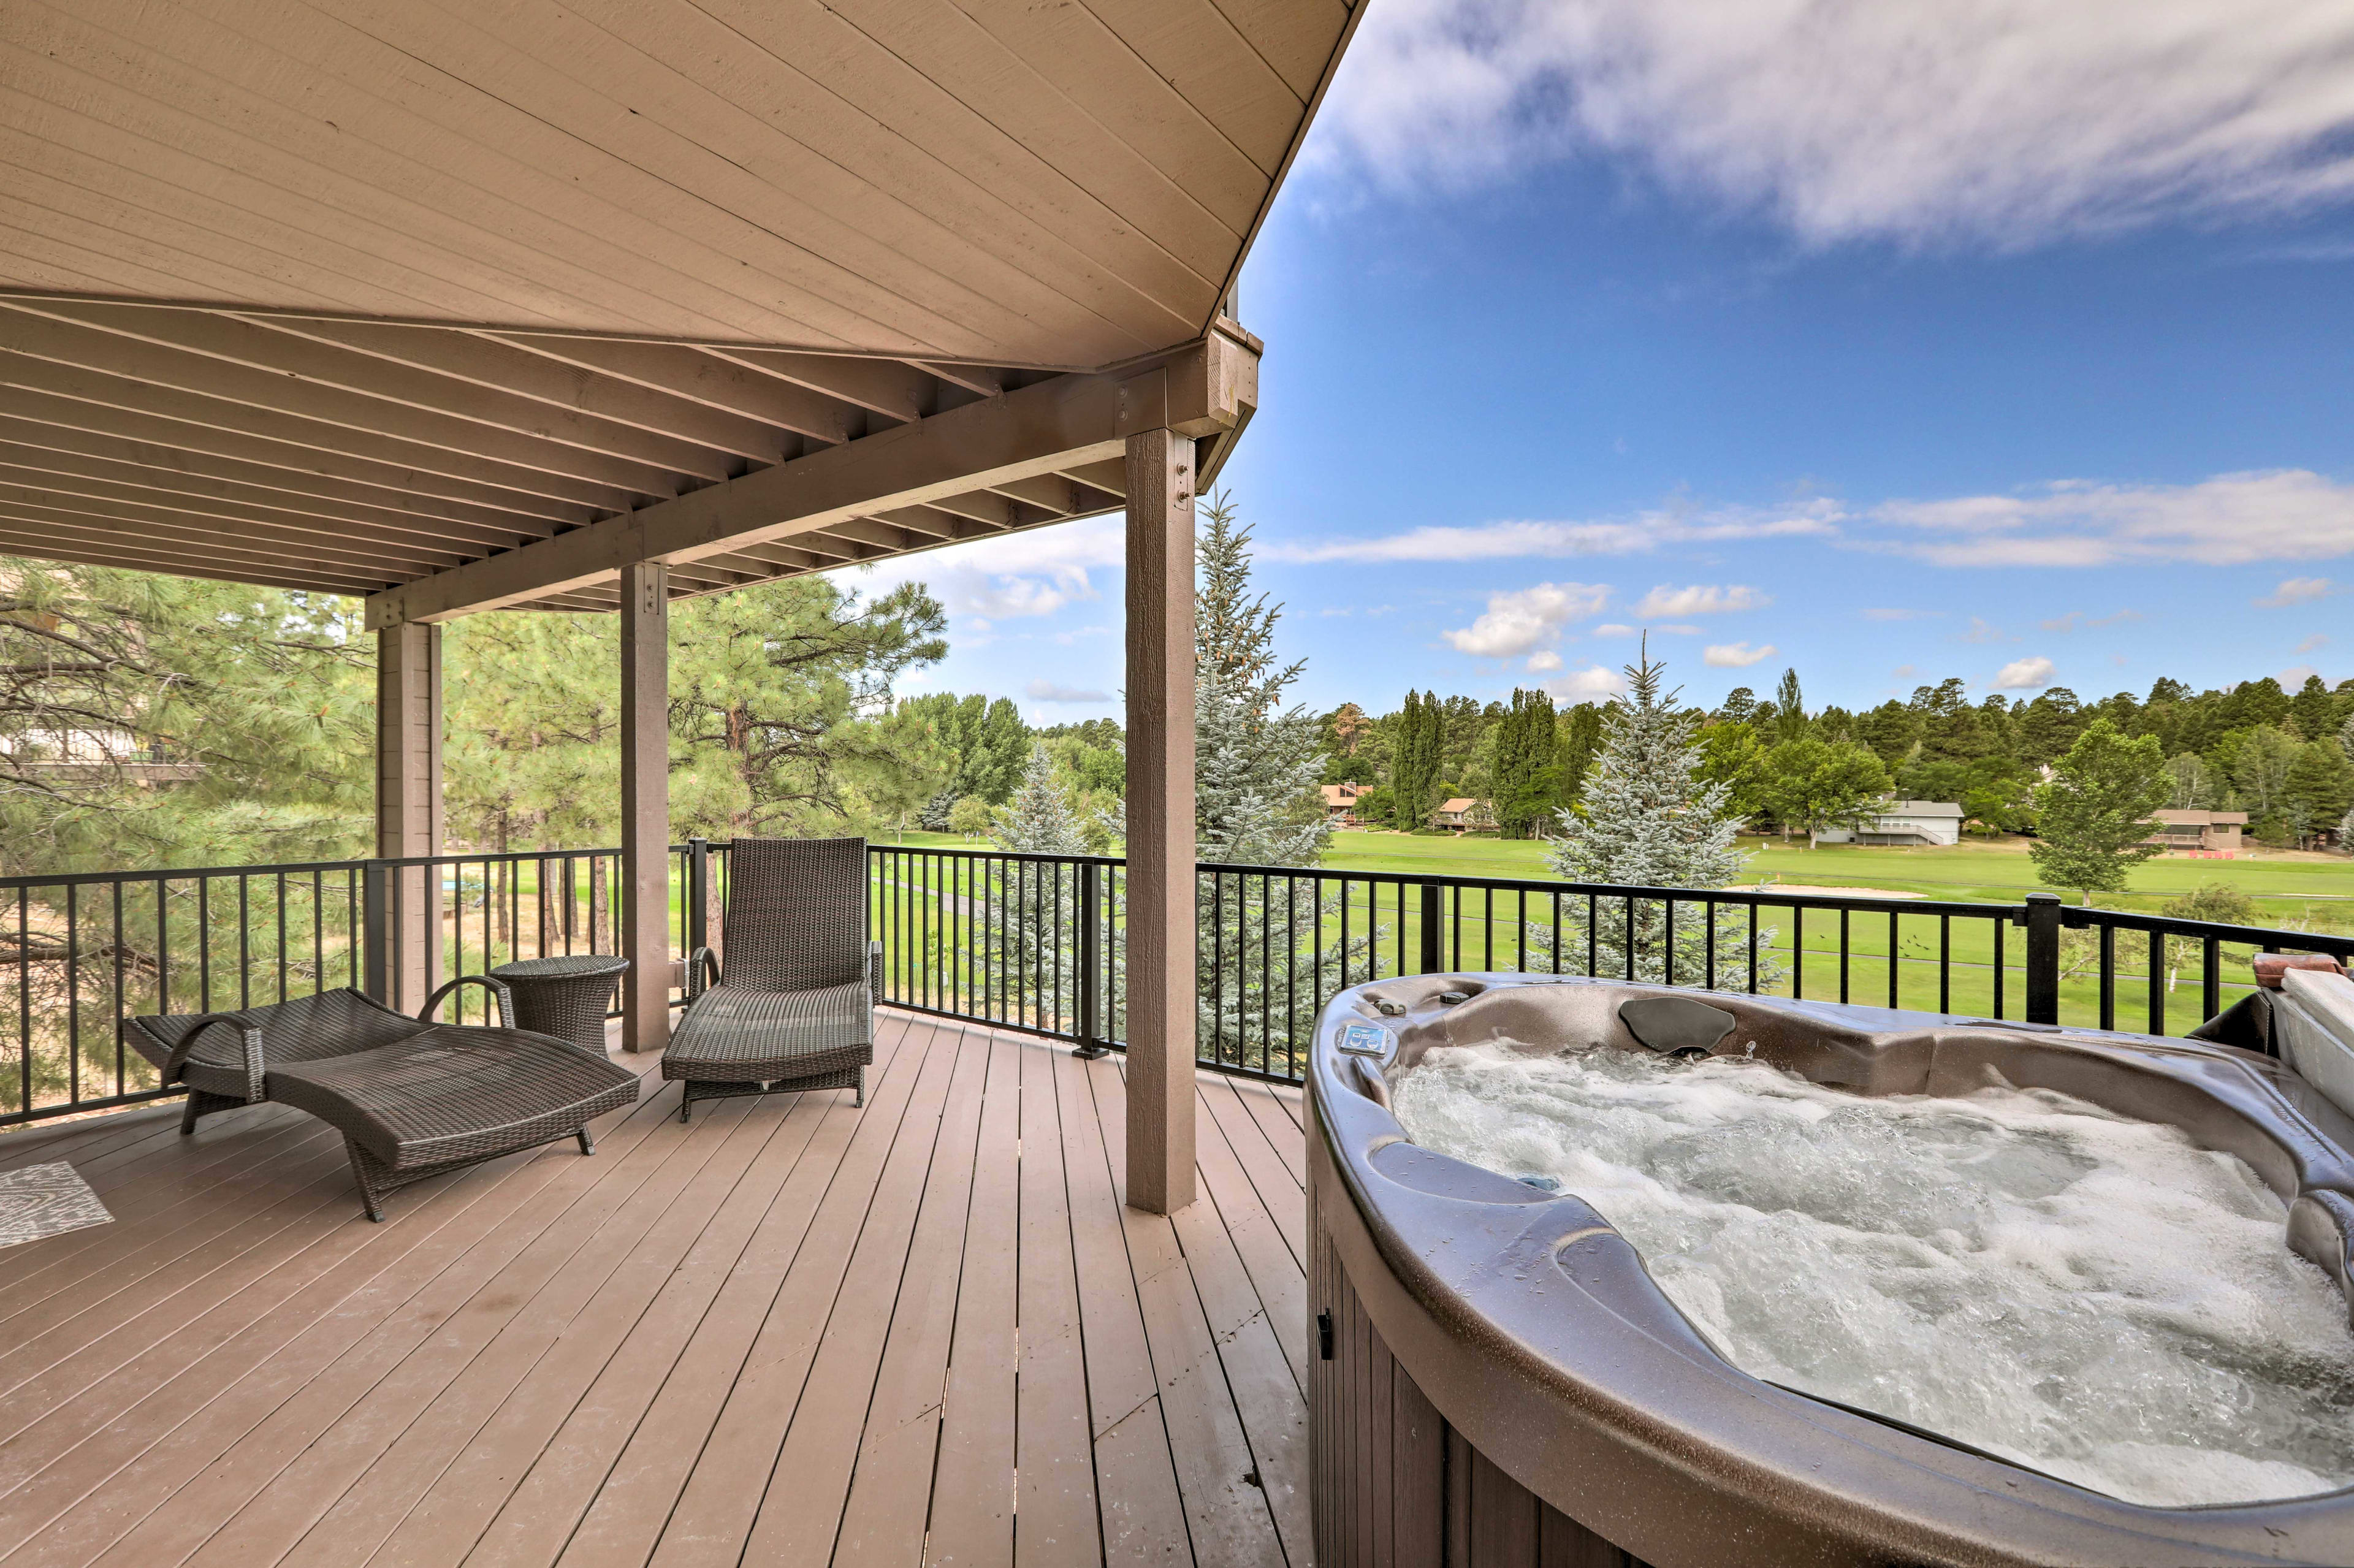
column 2088, row 1295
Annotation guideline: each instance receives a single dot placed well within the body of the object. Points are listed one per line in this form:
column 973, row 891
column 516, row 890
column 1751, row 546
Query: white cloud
column 1539, row 663
column 1522, row 621
column 1591, row 684
column 1899, row 614
column 2296, row 675
column 2023, row 676
column 1707, row 599
column 1045, row 691
column 2076, row 619
column 2281, row 515
column 1734, row 655
column 1034, row 572
column 1980, row 631
column 2312, row 643
column 2297, row 590
column 1666, row 628
column 1995, row 123
column 1508, row 540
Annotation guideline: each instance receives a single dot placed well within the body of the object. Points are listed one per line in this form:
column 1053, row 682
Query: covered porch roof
column 360, row 298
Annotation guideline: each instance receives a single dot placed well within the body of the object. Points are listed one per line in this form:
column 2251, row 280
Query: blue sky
column 1962, row 343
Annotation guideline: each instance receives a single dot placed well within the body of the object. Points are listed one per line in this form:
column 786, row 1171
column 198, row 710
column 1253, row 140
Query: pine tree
column 1257, row 761
column 1038, row 818
column 1789, row 709
column 1525, row 767
column 1647, row 820
column 1415, row 764
column 1256, row 764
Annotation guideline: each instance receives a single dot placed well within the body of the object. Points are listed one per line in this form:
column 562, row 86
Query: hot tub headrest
column 1672, row 1025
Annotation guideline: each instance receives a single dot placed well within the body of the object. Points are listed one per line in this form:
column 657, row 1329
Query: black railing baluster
column 1798, row 951
column 1751, row 937
column 2109, row 976
column 2210, row 978
column 1843, row 945
column 1895, row 941
column 73, row 994
column 2000, row 925
column 1944, row 963
column 24, row 1002
column 2157, row 982
column 119, row 1013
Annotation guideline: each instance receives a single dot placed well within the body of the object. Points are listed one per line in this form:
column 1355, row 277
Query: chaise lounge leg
column 188, row 1114
column 686, row 1104
column 858, row 1096
column 369, row 1197
column 587, row 1144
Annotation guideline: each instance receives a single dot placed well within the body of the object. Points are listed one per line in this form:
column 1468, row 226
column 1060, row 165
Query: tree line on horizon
column 2284, row 758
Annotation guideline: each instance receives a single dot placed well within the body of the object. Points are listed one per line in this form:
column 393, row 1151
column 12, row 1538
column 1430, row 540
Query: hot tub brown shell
column 1506, row 1386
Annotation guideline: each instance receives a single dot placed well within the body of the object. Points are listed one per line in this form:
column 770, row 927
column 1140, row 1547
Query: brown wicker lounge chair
column 411, row 1099
column 791, row 1004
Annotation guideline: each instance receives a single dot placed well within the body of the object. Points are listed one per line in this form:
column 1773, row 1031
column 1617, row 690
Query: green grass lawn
column 2299, row 889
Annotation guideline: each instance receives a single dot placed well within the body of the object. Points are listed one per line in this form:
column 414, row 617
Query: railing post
column 1434, row 950
column 376, row 929
column 1091, row 1043
column 2042, row 918
column 698, row 898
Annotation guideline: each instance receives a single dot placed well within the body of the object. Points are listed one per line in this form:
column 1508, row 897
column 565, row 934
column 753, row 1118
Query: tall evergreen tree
column 1038, row 818
column 1257, row 756
column 1581, row 738
column 1415, row 763
column 1647, row 820
column 1255, row 802
column 1524, row 764
column 1789, row 709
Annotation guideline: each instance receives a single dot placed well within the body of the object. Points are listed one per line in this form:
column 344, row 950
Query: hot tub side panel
column 1395, row 1486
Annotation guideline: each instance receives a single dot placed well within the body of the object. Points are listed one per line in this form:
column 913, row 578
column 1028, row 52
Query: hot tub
column 1498, row 1381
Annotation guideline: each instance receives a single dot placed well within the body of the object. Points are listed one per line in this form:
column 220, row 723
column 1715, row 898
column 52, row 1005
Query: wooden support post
column 408, row 809
column 645, row 805
column 1160, row 919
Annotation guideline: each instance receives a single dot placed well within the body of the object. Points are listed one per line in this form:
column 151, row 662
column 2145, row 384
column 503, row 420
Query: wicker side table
column 565, row 997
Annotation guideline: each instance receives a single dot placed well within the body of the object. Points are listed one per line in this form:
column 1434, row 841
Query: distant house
column 2198, row 833
column 1341, row 802
column 83, row 755
column 1460, row 815
column 1902, row 823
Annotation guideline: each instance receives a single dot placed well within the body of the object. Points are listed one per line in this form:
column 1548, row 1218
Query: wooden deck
column 793, row 1332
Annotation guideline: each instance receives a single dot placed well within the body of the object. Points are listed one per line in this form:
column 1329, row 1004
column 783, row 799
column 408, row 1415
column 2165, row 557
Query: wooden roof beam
column 167, row 469
column 107, row 405
column 438, row 408
column 891, row 388
column 446, row 443
column 703, row 377
column 494, row 366
column 199, row 498
column 1041, row 428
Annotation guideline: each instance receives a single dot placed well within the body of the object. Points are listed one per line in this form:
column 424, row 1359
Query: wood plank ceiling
column 338, row 295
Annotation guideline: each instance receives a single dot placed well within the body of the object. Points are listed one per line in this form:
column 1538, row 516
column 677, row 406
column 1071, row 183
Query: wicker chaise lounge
column 791, row 1005
column 411, row 1099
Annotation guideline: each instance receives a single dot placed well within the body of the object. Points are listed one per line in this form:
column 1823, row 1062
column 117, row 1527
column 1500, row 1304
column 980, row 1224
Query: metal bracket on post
column 1434, row 949
column 1091, row 1043
column 2042, row 918
column 376, row 930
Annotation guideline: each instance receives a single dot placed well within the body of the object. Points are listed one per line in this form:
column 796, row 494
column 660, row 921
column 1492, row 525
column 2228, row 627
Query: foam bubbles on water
column 2088, row 1295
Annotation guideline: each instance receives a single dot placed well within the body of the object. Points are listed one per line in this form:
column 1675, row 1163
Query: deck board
column 794, row 1332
